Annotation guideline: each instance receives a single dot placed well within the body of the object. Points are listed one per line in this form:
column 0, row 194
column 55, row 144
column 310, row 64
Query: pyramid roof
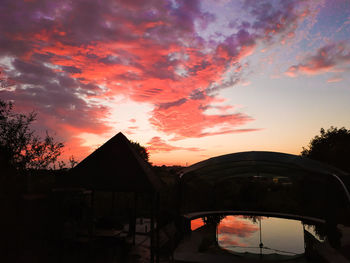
column 115, row 166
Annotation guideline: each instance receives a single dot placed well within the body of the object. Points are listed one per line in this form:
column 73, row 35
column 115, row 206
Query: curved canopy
column 255, row 162
column 252, row 180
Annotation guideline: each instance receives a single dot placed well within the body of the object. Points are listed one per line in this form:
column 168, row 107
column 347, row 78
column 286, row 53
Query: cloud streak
column 329, row 58
column 159, row 145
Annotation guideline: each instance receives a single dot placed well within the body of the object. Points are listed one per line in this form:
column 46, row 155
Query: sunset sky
column 187, row 79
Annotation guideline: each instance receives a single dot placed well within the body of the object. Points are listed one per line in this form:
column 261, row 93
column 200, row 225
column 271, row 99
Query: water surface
column 261, row 235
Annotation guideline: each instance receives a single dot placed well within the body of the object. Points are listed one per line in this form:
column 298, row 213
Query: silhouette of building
column 116, row 167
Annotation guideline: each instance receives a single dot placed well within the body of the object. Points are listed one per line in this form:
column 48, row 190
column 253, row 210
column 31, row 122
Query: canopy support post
column 134, row 218
column 113, row 203
column 92, row 204
column 152, row 229
column 158, row 225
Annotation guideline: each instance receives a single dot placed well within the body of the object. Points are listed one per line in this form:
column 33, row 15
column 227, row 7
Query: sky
column 187, row 79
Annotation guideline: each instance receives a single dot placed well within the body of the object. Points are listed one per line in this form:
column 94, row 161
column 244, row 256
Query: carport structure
column 265, row 181
column 116, row 167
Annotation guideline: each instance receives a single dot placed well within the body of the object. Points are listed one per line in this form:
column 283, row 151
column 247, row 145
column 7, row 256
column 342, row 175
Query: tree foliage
column 72, row 161
column 140, row 150
column 331, row 146
column 24, row 149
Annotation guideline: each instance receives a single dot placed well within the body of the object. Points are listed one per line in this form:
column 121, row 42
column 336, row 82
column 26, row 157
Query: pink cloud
column 246, row 83
column 327, row 58
column 334, row 79
column 159, row 145
column 132, row 129
column 189, row 120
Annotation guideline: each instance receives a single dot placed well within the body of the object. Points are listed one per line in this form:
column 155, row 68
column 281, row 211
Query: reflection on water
column 261, row 235
column 316, row 232
column 270, row 237
column 264, row 235
column 196, row 223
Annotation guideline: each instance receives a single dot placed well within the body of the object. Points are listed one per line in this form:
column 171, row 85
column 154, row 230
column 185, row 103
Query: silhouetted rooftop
column 115, row 166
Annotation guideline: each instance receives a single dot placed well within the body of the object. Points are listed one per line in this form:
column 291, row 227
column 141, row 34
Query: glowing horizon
column 187, row 79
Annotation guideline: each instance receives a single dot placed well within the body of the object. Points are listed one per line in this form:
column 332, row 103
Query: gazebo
column 116, row 167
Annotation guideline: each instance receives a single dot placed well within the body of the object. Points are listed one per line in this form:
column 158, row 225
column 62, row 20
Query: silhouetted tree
column 331, row 146
column 72, row 161
column 22, row 147
column 140, row 150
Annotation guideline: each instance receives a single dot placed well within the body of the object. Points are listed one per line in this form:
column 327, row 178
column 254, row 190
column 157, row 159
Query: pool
column 262, row 235
column 255, row 237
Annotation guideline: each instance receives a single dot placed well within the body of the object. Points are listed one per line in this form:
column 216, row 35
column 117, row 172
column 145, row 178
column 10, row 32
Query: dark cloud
column 167, row 105
column 198, row 95
column 275, row 20
column 54, row 94
column 71, row 69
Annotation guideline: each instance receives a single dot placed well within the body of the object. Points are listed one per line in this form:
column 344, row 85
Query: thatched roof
column 115, row 166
